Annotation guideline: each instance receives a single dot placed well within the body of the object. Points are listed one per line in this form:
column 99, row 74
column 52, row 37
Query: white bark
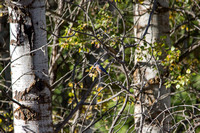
column 29, row 70
column 147, row 107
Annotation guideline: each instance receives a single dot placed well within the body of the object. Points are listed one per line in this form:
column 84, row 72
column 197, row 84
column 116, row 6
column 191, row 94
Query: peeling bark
column 29, row 70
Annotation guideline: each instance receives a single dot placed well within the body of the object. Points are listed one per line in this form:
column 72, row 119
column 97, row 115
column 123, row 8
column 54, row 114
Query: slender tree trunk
column 149, row 108
column 29, row 70
column 55, row 48
column 4, row 43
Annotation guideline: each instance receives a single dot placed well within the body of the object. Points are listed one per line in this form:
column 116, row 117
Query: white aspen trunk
column 148, row 107
column 29, row 71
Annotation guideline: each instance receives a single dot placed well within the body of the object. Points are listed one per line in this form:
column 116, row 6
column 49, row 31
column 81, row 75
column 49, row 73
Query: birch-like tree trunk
column 149, row 108
column 29, row 67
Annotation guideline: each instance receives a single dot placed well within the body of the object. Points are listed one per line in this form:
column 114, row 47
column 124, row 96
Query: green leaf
column 57, row 91
column 71, row 94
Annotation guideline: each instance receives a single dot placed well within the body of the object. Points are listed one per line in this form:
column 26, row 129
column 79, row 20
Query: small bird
column 99, row 68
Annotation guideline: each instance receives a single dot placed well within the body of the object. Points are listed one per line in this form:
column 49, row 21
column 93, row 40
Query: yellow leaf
column 91, row 67
column 71, row 94
column 99, row 100
column 183, row 27
column 186, row 28
column 65, row 44
column 188, row 71
column 88, row 50
column 87, row 70
column 93, row 42
column 10, row 128
column 170, row 17
column 168, row 57
column 70, row 84
column 79, row 50
column 179, row 68
column 93, row 78
column 159, row 53
column 99, row 89
column 141, row 1
column 81, row 84
column 96, row 43
column 70, row 100
column 179, row 77
column 10, row 125
column 104, row 109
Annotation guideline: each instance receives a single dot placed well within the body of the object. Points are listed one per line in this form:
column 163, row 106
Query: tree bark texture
column 150, row 107
column 29, row 67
